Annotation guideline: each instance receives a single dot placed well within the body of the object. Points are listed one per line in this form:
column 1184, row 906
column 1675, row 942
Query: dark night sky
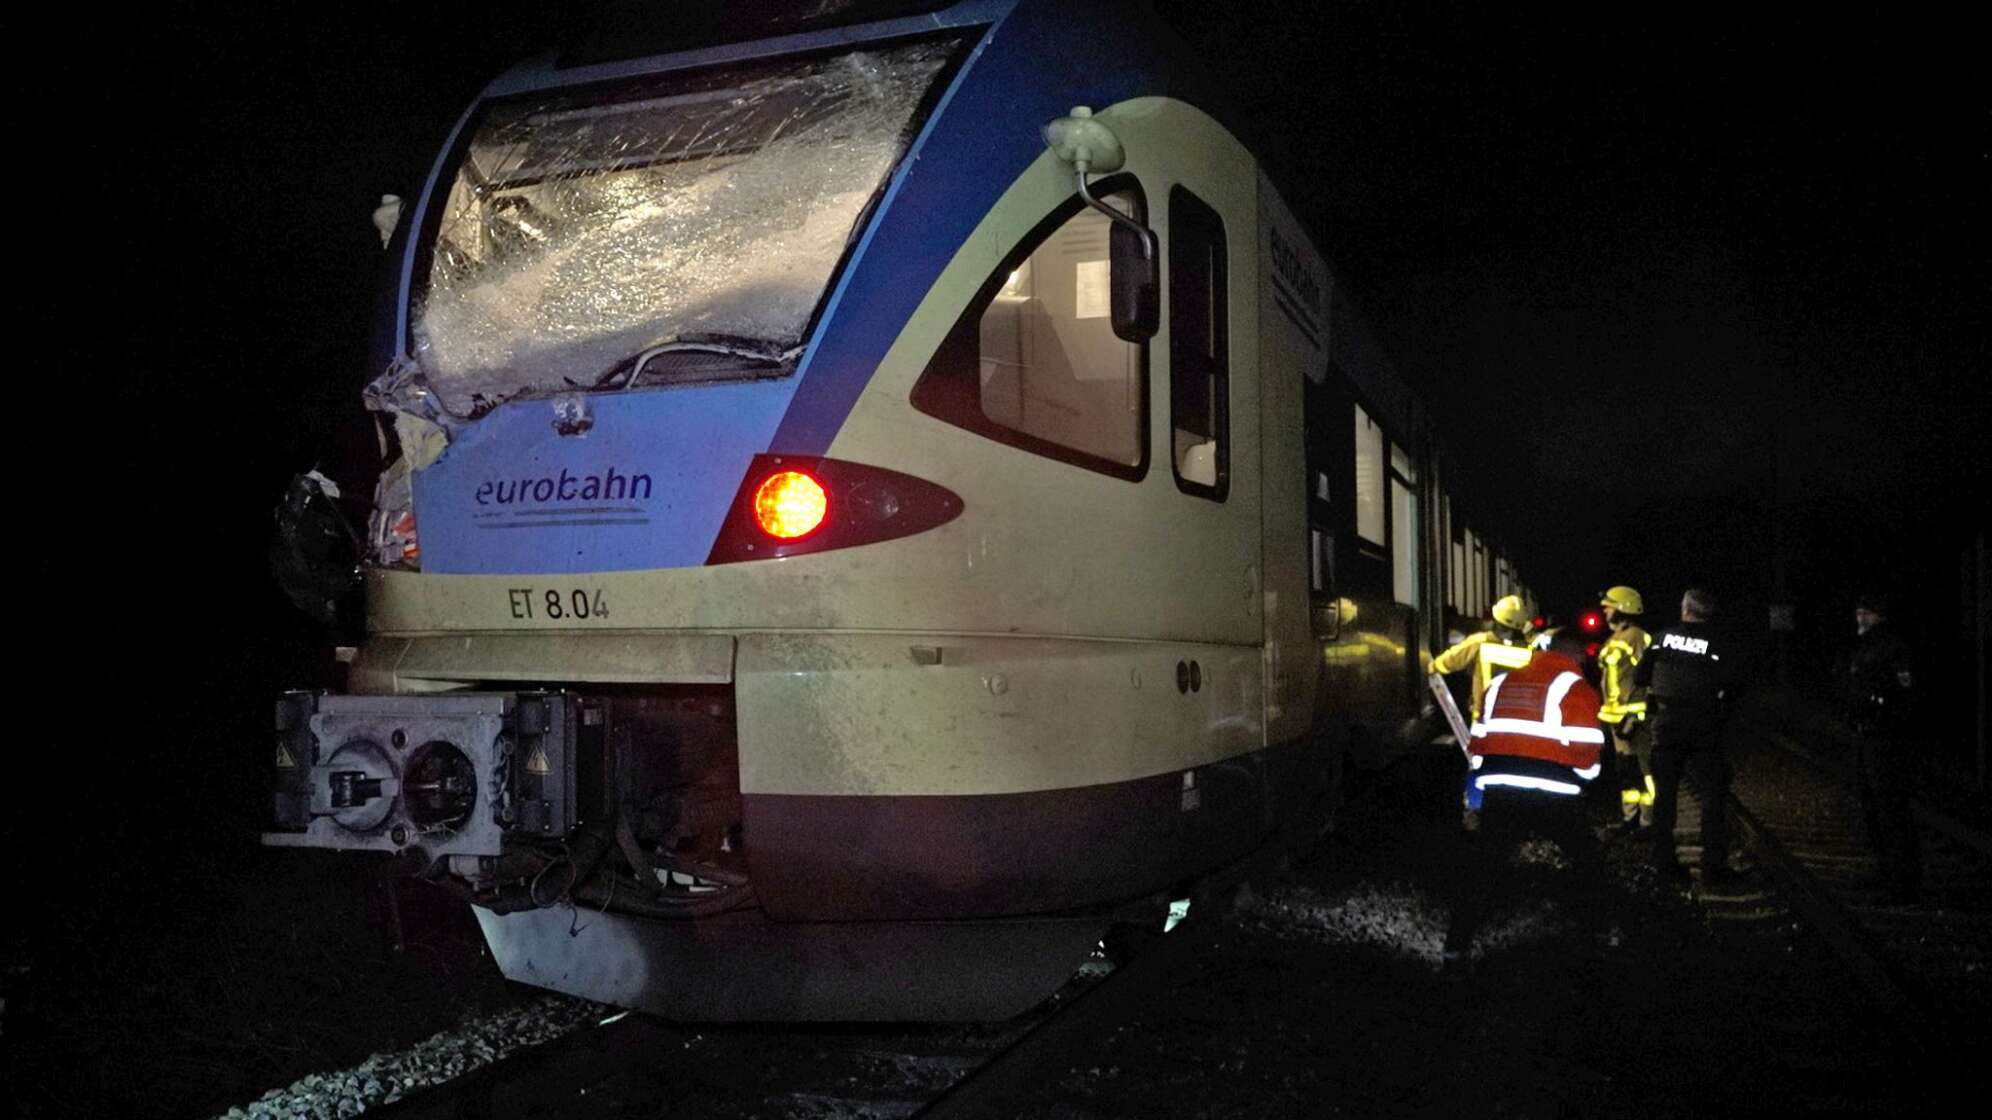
column 1644, row 254
column 1715, row 243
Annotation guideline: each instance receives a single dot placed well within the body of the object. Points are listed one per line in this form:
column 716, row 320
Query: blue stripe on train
column 1033, row 67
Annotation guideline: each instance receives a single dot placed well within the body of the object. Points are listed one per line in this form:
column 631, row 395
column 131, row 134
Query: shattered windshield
column 704, row 215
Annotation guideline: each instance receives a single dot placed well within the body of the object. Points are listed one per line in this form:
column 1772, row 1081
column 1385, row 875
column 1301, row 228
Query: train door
column 1300, row 488
column 1210, row 417
column 1206, row 439
column 1324, row 455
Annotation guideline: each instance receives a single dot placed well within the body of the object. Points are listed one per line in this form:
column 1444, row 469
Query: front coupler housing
column 452, row 774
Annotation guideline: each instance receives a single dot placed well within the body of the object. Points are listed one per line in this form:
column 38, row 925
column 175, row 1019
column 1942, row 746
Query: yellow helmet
column 1508, row 612
column 1624, row 598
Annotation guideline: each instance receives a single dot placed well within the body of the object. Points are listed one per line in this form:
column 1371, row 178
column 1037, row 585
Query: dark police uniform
column 1688, row 682
column 1879, row 685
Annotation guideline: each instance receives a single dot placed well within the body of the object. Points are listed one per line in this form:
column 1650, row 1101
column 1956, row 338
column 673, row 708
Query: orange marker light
column 790, row 504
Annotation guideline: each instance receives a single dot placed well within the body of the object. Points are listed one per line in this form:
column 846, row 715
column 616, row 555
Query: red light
column 1540, row 621
column 1591, row 649
column 1593, row 621
column 783, row 508
column 790, row 504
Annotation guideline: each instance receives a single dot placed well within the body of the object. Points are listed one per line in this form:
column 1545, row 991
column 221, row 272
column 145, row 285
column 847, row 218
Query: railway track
column 1773, row 994
column 1924, row 966
column 629, row 1062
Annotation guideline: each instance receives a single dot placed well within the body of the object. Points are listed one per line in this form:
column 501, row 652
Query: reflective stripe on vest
column 1613, row 713
column 1617, row 658
column 1527, row 781
column 1550, row 726
column 1586, row 772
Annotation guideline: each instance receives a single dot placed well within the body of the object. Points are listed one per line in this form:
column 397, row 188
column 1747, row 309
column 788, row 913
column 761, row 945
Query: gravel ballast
column 441, row 1057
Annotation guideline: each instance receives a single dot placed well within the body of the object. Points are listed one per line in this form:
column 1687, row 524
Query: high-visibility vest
column 1540, row 731
column 1488, row 655
column 1619, row 658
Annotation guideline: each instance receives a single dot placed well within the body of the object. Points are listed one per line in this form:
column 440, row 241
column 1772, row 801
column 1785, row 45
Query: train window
column 1369, row 480
column 1403, row 536
column 1035, row 363
column 1199, row 349
column 709, row 208
column 1403, row 528
column 1319, row 560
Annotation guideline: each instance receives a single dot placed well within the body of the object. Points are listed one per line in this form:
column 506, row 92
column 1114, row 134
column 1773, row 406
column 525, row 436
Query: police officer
column 1688, row 686
column 1878, row 686
column 1624, row 708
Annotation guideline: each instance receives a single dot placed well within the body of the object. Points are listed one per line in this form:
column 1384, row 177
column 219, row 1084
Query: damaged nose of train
column 314, row 554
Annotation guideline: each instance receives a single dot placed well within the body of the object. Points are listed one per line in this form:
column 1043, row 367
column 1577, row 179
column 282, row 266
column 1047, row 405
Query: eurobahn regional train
column 867, row 508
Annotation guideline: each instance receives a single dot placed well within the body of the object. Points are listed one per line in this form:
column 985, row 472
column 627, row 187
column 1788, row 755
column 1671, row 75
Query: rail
column 1924, row 965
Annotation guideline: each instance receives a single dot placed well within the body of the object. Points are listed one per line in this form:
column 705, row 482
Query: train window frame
column 1320, row 561
column 1402, row 520
column 950, row 387
column 1373, row 498
column 1196, row 230
column 1476, row 548
column 1457, row 576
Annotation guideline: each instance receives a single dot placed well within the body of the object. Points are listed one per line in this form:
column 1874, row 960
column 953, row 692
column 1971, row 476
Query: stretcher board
column 1444, row 696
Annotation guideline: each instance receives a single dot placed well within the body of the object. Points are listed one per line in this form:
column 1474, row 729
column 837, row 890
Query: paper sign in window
column 1090, row 294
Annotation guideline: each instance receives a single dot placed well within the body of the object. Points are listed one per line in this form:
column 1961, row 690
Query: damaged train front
column 601, row 303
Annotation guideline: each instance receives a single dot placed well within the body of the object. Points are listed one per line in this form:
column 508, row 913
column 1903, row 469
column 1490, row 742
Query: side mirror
column 1135, row 279
column 1089, row 146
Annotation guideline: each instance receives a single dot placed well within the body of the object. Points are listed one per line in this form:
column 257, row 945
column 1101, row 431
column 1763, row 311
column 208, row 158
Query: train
column 872, row 501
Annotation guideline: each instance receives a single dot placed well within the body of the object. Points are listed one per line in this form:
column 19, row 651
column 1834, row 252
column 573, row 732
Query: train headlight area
column 790, row 504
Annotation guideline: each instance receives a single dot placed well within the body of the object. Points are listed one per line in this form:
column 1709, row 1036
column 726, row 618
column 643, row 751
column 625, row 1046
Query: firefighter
column 1878, row 684
column 1502, row 646
column 1625, row 706
column 1689, row 686
column 1531, row 758
column 1492, row 651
